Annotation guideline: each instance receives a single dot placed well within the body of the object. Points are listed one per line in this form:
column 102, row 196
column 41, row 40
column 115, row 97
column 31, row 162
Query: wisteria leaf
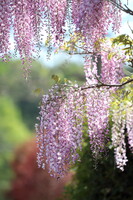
column 56, row 78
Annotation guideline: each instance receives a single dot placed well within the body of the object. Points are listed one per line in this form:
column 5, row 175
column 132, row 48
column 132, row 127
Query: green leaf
column 110, row 55
column 38, row 91
column 56, row 78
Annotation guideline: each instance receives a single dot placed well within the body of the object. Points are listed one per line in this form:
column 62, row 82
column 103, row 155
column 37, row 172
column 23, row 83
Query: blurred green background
column 19, row 101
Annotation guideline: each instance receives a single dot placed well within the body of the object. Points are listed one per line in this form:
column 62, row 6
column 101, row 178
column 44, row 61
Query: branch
column 81, row 53
column 126, row 9
column 106, row 85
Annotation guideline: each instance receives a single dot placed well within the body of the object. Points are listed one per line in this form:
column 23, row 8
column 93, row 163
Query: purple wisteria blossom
column 129, row 125
column 93, row 18
column 27, row 18
column 60, row 131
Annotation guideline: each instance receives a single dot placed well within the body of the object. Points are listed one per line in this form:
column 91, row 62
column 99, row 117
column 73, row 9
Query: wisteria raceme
column 118, row 137
column 93, row 18
column 112, row 63
column 5, row 23
column 25, row 17
column 116, row 16
column 57, row 15
column 129, row 125
column 98, row 99
column 37, row 13
column 97, row 104
column 23, row 32
column 60, row 130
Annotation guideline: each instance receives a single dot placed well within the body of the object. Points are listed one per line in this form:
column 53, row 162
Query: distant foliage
column 12, row 133
column 30, row 182
column 100, row 180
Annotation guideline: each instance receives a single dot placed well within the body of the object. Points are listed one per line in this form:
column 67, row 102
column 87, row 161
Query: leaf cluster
column 127, row 42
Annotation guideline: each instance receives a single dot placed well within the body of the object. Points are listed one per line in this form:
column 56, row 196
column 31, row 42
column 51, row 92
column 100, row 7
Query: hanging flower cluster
column 108, row 71
column 60, row 131
column 26, row 19
column 56, row 11
column 67, row 107
column 97, row 104
column 5, row 24
column 122, row 127
column 118, row 137
column 93, row 18
column 129, row 125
